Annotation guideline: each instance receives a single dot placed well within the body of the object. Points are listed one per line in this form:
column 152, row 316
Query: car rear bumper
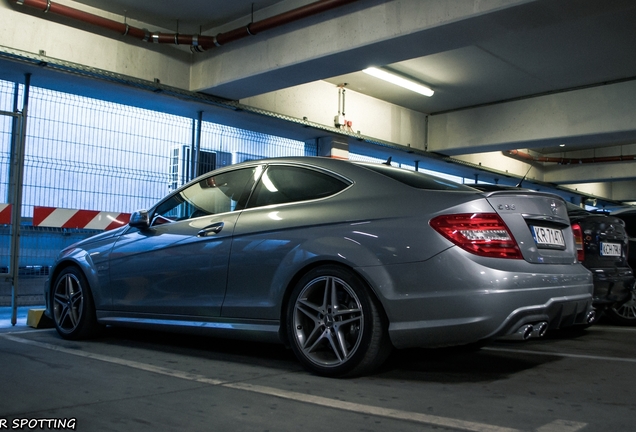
column 612, row 286
column 455, row 299
column 556, row 313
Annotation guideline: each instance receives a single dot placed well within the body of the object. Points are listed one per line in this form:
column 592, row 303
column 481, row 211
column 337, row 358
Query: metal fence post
column 17, row 182
column 196, row 161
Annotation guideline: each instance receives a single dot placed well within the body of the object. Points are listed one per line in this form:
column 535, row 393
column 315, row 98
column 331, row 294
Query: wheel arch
column 306, row 269
column 82, row 262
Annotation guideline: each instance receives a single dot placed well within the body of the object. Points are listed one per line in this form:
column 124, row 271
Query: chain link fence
column 87, row 154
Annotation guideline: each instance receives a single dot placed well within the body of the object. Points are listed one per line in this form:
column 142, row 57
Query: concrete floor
column 147, row 381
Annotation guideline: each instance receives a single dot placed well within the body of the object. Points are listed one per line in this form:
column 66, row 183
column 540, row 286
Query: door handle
column 209, row 230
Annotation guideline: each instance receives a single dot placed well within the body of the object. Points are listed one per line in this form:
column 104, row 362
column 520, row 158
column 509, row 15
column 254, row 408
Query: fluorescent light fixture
column 398, row 80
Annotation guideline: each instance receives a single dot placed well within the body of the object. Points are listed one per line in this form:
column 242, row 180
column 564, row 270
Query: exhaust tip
column 522, row 333
column 540, row 329
column 528, row 332
column 525, row 332
column 591, row 317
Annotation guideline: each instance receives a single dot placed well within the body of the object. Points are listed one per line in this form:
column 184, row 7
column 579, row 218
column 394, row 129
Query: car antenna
column 524, row 177
column 388, row 161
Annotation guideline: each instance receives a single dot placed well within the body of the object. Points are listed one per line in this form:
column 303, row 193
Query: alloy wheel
column 68, row 303
column 328, row 321
column 627, row 310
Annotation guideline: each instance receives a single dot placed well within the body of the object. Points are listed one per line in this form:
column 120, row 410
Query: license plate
column 610, row 249
column 548, row 237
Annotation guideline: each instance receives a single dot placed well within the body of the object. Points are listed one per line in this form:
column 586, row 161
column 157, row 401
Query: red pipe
column 567, row 161
column 57, row 9
column 198, row 43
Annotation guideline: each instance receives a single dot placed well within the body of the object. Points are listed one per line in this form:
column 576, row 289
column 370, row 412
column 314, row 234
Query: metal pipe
column 198, row 43
column 567, row 161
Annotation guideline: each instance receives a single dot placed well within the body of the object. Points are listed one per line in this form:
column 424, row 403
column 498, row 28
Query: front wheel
column 335, row 325
column 624, row 314
column 72, row 304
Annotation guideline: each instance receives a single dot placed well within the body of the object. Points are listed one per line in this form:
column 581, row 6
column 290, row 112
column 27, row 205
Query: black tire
column 335, row 325
column 624, row 314
column 73, row 307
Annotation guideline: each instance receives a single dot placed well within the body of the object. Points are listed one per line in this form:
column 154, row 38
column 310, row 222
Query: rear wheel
column 624, row 314
column 335, row 325
column 73, row 306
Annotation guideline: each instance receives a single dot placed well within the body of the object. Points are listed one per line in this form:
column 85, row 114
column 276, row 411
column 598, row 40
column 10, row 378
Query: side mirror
column 140, row 219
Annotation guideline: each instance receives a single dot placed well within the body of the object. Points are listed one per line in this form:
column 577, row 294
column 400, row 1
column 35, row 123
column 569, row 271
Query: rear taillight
column 483, row 234
column 578, row 241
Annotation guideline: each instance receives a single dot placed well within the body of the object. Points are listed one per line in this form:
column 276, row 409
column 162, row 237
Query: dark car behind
column 605, row 252
column 629, row 217
column 625, row 314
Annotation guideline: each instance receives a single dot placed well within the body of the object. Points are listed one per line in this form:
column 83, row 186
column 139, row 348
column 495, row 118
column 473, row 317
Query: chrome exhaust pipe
column 539, row 329
column 523, row 333
column 591, row 317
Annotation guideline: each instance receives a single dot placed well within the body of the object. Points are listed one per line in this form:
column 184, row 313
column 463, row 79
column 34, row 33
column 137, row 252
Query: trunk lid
column 539, row 223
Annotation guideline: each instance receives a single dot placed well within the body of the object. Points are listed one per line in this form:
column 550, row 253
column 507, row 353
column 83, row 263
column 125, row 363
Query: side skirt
column 249, row 330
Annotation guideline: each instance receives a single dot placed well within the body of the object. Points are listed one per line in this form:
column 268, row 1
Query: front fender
column 94, row 264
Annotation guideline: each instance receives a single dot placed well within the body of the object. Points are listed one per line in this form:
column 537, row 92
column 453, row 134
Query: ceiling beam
column 599, row 116
column 362, row 35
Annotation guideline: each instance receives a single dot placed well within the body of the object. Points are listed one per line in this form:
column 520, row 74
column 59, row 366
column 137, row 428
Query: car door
column 178, row 264
column 286, row 208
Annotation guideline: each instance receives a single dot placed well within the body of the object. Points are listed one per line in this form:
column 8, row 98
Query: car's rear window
column 416, row 179
column 574, row 210
column 283, row 184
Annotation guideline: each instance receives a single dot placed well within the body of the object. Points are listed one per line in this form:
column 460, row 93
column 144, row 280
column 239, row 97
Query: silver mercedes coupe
column 340, row 261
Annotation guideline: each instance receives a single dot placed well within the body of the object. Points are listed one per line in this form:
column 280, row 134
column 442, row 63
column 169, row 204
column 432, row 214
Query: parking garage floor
column 149, row 381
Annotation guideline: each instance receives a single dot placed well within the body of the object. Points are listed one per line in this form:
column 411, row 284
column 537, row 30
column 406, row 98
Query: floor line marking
column 612, row 329
column 581, row 356
column 562, row 426
column 448, row 422
column 27, row 331
column 371, row 410
column 119, row 361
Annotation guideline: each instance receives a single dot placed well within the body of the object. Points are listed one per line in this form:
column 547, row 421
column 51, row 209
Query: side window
column 283, row 184
column 215, row 194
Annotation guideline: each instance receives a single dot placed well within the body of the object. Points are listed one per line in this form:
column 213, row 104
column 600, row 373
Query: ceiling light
column 398, row 80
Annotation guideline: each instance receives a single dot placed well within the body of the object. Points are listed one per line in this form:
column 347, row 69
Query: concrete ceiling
column 537, row 48
column 188, row 14
column 531, row 50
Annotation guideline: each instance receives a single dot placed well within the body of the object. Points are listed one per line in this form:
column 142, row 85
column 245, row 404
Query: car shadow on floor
column 442, row 365
column 453, row 366
column 204, row 347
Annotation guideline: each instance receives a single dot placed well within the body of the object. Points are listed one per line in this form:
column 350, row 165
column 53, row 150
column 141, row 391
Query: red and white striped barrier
column 71, row 218
column 5, row 214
